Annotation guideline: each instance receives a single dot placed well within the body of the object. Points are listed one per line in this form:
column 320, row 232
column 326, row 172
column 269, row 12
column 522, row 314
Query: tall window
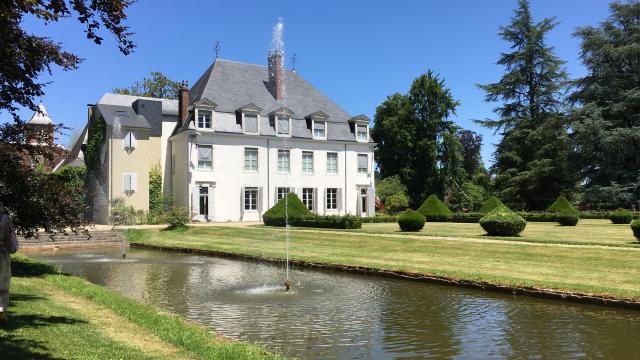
column 129, row 182
column 307, row 162
column 283, row 161
column 205, row 157
column 281, row 192
column 319, row 130
column 129, row 142
column 251, row 123
column 250, row 159
column 332, row 199
column 363, row 163
column 307, row 198
column 361, row 132
column 332, row 163
column 204, row 119
column 282, row 124
column 204, row 200
column 251, row 199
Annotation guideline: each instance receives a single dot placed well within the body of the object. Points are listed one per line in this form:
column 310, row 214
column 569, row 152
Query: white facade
column 229, row 190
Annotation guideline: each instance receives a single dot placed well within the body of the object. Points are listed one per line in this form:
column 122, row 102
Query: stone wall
column 95, row 238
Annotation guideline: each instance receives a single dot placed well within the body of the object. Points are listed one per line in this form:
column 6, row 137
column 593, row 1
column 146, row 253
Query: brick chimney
column 183, row 102
column 276, row 76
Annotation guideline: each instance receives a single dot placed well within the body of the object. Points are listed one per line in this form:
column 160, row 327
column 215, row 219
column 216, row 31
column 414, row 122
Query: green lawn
column 608, row 271
column 55, row 316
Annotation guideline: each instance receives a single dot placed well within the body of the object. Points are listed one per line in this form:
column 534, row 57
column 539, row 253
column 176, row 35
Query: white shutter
column 242, row 189
column 125, row 182
column 195, row 201
column 134, row 182
column 371, row 202
column 315, row 200
column 324, row 201
column 126, row 140
column 134, row 141
column 211, row 208
column 260, row 201
column 275, row 195
column 339, row 199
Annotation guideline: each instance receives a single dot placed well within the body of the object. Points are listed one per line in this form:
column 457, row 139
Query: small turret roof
column 40, row 116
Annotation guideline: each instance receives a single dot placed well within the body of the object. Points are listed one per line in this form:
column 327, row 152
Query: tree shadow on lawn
column 13, row 347
column 21, row 267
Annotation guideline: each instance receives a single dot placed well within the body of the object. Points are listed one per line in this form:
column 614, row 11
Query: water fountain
column 117, row 134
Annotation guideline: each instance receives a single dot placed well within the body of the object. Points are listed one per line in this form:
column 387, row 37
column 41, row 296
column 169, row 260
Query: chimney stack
column 276, row 76
column 183, row 102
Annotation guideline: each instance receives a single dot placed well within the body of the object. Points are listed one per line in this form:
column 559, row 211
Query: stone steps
column 95, row 236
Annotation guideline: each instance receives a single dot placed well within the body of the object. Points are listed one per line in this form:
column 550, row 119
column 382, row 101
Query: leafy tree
column 471, row 145
column 158, row 86
column 416, row 140
column 469, row 196
column 607, row 125
column 392, row 193
column 531, row 161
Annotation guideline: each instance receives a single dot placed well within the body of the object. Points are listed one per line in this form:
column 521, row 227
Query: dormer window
column 362, row 132
column 250, row 123
column 204, row 119
column 129, row 141
column 283, row 125
column 319, row 129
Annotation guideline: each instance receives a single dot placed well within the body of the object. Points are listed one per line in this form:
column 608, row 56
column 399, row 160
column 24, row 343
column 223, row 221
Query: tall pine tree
column 531, row 167
column 607, row 125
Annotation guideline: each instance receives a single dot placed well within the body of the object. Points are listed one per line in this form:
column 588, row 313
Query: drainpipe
column 268, row 174
column 111, row 177
column 344, row 201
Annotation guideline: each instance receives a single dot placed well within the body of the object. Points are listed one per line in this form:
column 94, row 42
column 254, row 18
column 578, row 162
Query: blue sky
column 356, row 52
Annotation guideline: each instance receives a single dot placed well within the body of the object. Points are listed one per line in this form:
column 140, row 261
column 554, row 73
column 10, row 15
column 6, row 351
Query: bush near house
column 123, row 214
column 411, row 220
column 563, row 206
column 435, row 210
column 491, row 204
column 177, row 218
column 295, row 209
column 621, row 216
column 156, row 200
column 635, row 227
column 566, row 219
column 503, row 222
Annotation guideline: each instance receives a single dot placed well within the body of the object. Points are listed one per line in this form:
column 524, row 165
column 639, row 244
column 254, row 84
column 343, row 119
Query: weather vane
column 293, row 62
column 217, row 48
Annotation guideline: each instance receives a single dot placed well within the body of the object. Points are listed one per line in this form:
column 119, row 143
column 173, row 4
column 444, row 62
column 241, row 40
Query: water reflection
column 343, row 316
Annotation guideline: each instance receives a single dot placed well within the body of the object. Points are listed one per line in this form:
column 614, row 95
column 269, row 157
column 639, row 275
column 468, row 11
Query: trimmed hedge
column 435, row 210
column 329, row 222
column 539, row 216
column 466, row 217
column 411, row 220
column 563, row 206
column 379, row 219
column 491, row 204
column 503, row 222
column 635, row 227
column 566, row 219
column 621, row 216
column 296, row 211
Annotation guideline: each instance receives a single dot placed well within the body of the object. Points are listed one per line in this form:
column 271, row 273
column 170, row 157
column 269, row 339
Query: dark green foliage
column 392, row 193
column 471, row 145
column 503, row 222
column 435, row 210
column 411, row 220
column 74, row 178
column 123, row 214
column 467, row 197
column 329, row 222
column 563, row 206
column 417, row 140
column 379, row 219
column 466, row 217
column 532, row 159
column 568, row 219
column 156, row 200
column 621, row 216
column 635, row 227
column 177, row 218
column 293, row 206
column 606, row 128
column 159, row 86
column 492, row 203
column 95, row 142
column 539, row 216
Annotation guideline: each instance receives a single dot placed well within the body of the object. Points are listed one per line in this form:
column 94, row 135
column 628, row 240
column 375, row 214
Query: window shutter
column 324, row 201
column 260, row 201
column 339, row 199
column 134, row 182
column 134, row 141
column 242, row 196
column 195, row 200
column 125, row 179
column 211, row 202
column 371, row 201
column 126, row 141
column 363, row 161
column 315, row 200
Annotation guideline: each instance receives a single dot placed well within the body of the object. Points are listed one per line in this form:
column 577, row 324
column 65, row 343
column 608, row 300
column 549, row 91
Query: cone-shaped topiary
column 296, row 210
column 635, row 227
column 563, row 206
column 435, row 210
column 621, row 216
column 491, row 204
column 411, row 220
column 566, row 219
column 503, row 222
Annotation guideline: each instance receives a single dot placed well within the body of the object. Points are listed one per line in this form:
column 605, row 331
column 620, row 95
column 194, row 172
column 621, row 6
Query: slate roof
column 232, row 85
column 116, row 107
column 40, row 117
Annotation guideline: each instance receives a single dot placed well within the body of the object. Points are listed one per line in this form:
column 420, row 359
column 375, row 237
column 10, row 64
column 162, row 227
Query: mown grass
column 42, row 328
column 606, row 271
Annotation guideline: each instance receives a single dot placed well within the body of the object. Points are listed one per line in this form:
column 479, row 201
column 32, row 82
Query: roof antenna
column 217, row 48
column 293, row 62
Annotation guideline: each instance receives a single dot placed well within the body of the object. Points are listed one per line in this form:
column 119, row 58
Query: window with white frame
column 332, row 199
column 251, row 159
column 283, row 161
column 319, row 130
column 205, row 157
column 250, row 199
column 362, row 132
column 129, row 182
column 204, row 119
column 307, row 197
column 129, row 142
column 283, row 125
column 307, row 162
column 281, row 192
column 332, row 163
column 250, row 123
column 363, row 163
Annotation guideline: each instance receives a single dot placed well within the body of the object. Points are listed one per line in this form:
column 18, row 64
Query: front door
column 204, row 203
column 362, row 203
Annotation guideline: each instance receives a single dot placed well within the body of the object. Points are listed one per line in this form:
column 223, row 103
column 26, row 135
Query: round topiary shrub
column 566, row 219
column 635, row 227
column 411, row 220
column 491, row 204
column 503, row 222
column 621, row 216
column 435, row 210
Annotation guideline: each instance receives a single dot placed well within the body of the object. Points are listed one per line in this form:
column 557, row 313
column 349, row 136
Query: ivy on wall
column 156, row 201
column 94, row 146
